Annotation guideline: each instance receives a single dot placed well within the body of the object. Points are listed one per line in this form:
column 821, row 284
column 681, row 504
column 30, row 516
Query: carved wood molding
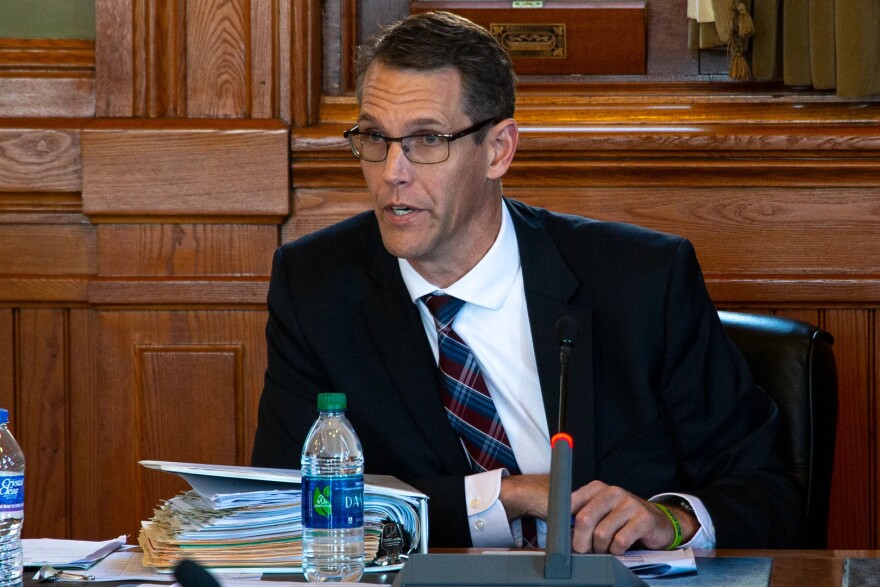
column 209, row 58
column 47, row 57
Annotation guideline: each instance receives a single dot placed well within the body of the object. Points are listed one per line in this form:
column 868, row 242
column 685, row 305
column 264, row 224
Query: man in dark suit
column 674, row 444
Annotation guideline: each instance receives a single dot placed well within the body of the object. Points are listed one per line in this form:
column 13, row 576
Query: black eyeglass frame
column 353, row 131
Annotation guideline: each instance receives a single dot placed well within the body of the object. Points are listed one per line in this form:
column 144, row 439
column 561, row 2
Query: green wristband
column 676, row 526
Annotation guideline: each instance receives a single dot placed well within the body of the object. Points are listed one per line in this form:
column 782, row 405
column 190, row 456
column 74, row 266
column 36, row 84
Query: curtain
column 824, row 44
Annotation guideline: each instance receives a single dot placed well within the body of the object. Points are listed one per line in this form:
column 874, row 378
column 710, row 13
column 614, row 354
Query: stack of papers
column 246, row 519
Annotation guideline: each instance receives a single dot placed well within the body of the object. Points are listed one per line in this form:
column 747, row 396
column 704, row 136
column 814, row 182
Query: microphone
column 560, row 567
column 189, row 573
column 566, row 329
column 557, row 553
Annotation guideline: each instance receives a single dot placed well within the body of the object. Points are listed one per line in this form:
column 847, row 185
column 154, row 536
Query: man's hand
column 608, row 519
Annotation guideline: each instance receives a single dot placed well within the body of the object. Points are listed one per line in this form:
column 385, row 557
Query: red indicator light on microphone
column 562, row 436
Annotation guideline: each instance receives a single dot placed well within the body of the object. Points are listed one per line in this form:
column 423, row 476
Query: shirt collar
column 488, row 283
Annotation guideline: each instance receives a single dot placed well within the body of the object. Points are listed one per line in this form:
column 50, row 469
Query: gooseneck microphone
column 566, row 329
column 557, row 552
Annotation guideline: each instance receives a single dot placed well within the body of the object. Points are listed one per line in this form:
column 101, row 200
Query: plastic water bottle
column 332, row 496
column 11, row 505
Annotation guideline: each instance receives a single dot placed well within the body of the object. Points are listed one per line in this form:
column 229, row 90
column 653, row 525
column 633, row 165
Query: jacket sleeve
column 725, row 429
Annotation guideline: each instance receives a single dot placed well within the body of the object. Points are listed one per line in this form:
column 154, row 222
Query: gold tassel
column 744, row 23
column 741, row 28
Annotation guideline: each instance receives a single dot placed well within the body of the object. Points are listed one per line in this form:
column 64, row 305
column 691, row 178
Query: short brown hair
column 437, row 40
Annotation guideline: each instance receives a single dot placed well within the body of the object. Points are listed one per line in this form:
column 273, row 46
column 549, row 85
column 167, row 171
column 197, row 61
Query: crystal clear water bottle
column 332, row 496
column 11, row 504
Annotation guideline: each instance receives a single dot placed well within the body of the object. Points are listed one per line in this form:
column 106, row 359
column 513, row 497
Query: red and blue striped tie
column 468, row 403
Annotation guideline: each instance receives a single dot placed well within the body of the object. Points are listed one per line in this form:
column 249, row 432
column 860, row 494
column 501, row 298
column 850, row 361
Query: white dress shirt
column 496, row 311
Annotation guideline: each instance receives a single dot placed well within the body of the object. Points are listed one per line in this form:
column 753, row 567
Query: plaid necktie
column 469, row 406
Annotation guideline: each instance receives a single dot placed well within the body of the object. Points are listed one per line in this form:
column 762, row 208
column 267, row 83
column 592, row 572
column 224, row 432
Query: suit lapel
column 399, row 337
column 549, row 288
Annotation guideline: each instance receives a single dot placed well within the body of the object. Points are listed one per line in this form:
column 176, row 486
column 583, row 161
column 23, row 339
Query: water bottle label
column 11, row 493
column 333, row 502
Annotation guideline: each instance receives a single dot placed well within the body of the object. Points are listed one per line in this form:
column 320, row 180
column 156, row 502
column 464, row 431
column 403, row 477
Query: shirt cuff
column 705, row 536
column 487, row 518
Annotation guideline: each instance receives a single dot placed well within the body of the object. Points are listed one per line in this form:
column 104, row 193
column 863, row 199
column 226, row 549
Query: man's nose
column 397, row 166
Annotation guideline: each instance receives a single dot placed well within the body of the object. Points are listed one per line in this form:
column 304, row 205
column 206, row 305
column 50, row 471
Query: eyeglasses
column 421, row 148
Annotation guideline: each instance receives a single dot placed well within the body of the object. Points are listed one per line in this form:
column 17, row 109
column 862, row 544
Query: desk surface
column 791, row 568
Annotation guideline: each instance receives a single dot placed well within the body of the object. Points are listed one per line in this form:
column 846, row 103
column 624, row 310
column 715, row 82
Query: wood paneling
column 43, row 55
column 47, row 77
column 181, row 250
column 160, row 59
column 104, row 326
column 305, row 63
column 43, row 425
column 47, row 250
column 217, row 79
column 854, row 485
column 186, row 172
column 7, row 364
column 39, row 160
column 165, row 408
column 186, row 387
column 114, row 58
column 47, row 96
column 200, row 59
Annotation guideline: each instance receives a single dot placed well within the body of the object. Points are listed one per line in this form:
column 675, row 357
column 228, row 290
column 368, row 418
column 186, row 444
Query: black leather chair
column 793, row 361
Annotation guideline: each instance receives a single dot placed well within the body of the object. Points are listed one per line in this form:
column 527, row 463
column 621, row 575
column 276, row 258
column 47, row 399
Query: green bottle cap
column 331, row 402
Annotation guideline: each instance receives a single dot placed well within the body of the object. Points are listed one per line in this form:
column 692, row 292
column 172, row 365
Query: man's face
column 442, row 217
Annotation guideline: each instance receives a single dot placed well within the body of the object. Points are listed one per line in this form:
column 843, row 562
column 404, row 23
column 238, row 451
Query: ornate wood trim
column 43, row 57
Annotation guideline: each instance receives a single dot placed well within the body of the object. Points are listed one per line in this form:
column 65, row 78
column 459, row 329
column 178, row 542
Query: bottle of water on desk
column 332, row 496
column 11, row 505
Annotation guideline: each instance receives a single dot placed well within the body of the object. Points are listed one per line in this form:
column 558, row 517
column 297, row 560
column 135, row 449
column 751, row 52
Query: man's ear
column 502, row 139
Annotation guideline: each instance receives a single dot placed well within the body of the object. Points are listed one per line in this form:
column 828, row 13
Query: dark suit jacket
column 659, row 399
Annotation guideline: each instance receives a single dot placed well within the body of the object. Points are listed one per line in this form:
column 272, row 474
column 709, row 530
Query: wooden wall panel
column 264, row 21
column 43, row 424
column 47, row 96
column 114, row 58
column 304, row 88
column 46, row 250
column 179, row 424
column 186, row 172
column 776, row 228
column 160, row 59
column 47, row 77
column 7, row 364
column 206, row 366
column 39, row 160
column 873, row 367
column 853, row 522
column 217, row 78
column 181, row 250
column 204, row 58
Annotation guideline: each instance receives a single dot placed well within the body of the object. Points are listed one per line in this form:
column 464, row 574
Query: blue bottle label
column 333, row 502
column 11, row 493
